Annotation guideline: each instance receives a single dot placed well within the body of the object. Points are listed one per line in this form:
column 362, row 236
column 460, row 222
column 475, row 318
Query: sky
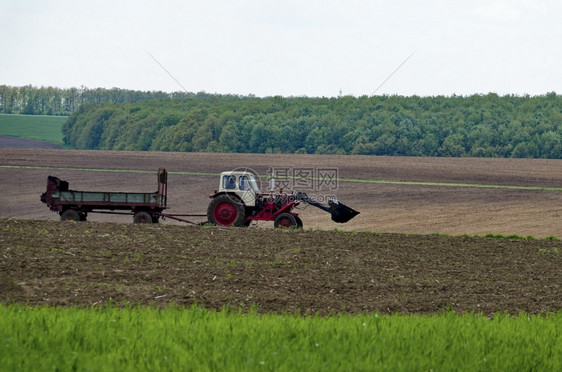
column 314, row 48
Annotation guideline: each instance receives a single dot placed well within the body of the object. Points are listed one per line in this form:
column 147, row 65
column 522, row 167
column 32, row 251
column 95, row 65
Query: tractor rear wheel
column 299, row 222
column 225, row 210
column 285, row 220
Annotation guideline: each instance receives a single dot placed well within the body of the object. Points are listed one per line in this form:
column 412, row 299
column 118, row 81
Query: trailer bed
column 75, row 205
column 109, row 198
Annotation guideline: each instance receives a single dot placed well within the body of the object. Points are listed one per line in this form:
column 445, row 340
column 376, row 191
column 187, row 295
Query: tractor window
column 254, row 184
column 249, row 183
column 229, row 182
column 244, row 183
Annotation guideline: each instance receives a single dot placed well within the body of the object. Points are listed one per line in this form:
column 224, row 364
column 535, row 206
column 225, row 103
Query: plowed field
column 385, row 207
column 43, row 261
column 85, row 263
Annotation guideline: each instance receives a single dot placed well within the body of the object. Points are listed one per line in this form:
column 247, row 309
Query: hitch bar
column 177, row 218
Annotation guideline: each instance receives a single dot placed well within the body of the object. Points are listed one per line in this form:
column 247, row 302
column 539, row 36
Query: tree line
column 30, row 100
column 477, row 125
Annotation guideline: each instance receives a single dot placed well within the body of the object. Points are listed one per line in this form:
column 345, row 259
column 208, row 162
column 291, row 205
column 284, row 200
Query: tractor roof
column 237, row 173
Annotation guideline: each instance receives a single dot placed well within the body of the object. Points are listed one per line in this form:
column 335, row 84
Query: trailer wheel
column 224, row 210
column 285, row 220
column 70, row 215
column 142, row 217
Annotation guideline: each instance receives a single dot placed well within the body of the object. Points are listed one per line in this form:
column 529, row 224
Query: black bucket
column 341, row 213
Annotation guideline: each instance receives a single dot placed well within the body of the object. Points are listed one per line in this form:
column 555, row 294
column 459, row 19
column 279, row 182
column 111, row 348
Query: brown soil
column 91, row 264
column 397, row 208
column 22, row 143
column 43, row 261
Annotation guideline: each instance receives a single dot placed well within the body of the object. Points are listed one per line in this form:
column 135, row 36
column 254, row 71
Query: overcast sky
column 286, row 47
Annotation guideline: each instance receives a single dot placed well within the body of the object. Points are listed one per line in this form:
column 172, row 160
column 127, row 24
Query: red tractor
column 238, row 202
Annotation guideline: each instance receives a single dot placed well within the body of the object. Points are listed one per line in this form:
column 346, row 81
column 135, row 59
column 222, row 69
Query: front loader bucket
column 341, row 213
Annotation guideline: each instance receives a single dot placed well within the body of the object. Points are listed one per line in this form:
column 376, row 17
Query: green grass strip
column 352, row 180
column 45, row 128
column 195, row 339
column 452, row 184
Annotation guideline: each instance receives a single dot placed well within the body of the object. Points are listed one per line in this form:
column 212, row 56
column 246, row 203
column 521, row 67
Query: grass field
column 35, row 127
column 175, row 338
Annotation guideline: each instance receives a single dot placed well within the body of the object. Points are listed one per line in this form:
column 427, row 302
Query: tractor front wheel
column 225, row 210
column 285, row 220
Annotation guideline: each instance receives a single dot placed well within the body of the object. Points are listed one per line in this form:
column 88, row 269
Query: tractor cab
column 241, row 183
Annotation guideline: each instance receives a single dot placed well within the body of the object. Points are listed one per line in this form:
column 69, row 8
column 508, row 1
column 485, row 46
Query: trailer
column 75, row 205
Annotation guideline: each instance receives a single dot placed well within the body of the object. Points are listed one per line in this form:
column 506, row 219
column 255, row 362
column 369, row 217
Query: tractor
column 238, row 202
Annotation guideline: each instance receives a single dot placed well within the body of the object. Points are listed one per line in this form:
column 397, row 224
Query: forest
column 478, row 125
column 30, row 100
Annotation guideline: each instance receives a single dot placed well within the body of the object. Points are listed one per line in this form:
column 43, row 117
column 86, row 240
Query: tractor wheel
column 142, row 217
column 225, row 210
column 70, row 215
column 285, row 220
column 299, row 222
